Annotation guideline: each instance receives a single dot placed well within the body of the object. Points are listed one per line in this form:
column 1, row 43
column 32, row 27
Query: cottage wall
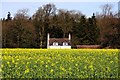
column 63, row 43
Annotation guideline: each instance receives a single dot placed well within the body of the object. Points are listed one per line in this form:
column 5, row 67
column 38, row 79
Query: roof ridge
column 59, row 38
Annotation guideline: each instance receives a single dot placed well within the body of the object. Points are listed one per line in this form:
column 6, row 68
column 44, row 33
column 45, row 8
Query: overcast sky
column 87, row 7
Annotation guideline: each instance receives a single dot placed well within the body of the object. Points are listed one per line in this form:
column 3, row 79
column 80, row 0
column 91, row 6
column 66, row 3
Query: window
column 65, row 44
column 55, row 43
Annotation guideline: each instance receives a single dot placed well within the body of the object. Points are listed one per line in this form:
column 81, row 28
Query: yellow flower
column 56, row 62
column 69, row 68
column 52, row 64
column 27, row 70
column 8, row 62
column 48, row 60
column 28, row 62
column 72, row 60
column 62, row 68
column 85, row 67
column 51, row 70
column 76, row 64
column 13, row 61
column 42, row 62
column 91, row 67
column 2, row 65
column 17, row 59
column 0, row 70
column 46, row 65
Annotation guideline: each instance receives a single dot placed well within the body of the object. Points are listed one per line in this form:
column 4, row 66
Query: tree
column 9, row 16
column 93, row 32
column 5, row 30
column 106, row 10
column 22, row 14
column 87, row 31
column 0, row 33
column 108, row 24
column 66, row 20
column 81, row 29
column 42, row 19
column 18, row 32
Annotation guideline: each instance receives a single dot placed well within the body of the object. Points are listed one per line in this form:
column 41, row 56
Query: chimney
column 48, row 38
column 69, row 36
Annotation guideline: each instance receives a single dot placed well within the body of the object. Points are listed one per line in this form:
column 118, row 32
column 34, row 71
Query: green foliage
column 87, row 31
column 81, row 29
column 93, row 31
column 45, row 63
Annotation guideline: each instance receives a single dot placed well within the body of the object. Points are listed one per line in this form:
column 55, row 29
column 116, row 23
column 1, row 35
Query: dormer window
column 65, row 44
column 55, row 43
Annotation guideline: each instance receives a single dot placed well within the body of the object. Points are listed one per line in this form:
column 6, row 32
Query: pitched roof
column 59, row 40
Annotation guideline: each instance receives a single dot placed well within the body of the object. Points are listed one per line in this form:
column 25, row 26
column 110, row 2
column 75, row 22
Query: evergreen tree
column 87, row 31
column 96, row 30
column 92, row 31
column 9, row 16
column 81, row 30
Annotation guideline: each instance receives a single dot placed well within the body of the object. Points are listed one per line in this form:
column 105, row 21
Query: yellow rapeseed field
column 62, row 63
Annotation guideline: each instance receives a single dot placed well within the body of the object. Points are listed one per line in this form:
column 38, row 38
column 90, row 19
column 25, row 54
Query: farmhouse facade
column 58, row 43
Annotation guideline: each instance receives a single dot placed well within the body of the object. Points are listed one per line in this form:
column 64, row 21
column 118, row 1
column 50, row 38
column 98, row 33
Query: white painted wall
column 48, row 38
column 59, row 47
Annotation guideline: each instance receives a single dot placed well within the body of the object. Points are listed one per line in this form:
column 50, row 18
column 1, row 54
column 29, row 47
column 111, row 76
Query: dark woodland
column 23, row 31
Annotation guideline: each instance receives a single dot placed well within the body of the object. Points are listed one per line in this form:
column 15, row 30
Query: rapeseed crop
column 47, row 63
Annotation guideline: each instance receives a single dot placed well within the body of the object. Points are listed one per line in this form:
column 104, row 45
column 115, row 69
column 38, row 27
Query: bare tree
column 107, row 10
column 67, row 20
column 22, row 14
column 42, row 21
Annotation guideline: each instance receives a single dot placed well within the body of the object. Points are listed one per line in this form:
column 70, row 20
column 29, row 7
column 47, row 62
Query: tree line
column 25, row 31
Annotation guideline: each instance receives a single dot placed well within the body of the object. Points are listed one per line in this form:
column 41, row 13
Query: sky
column 87, row 7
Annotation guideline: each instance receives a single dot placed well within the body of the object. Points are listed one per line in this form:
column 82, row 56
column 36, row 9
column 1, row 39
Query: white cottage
column 58, row 43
